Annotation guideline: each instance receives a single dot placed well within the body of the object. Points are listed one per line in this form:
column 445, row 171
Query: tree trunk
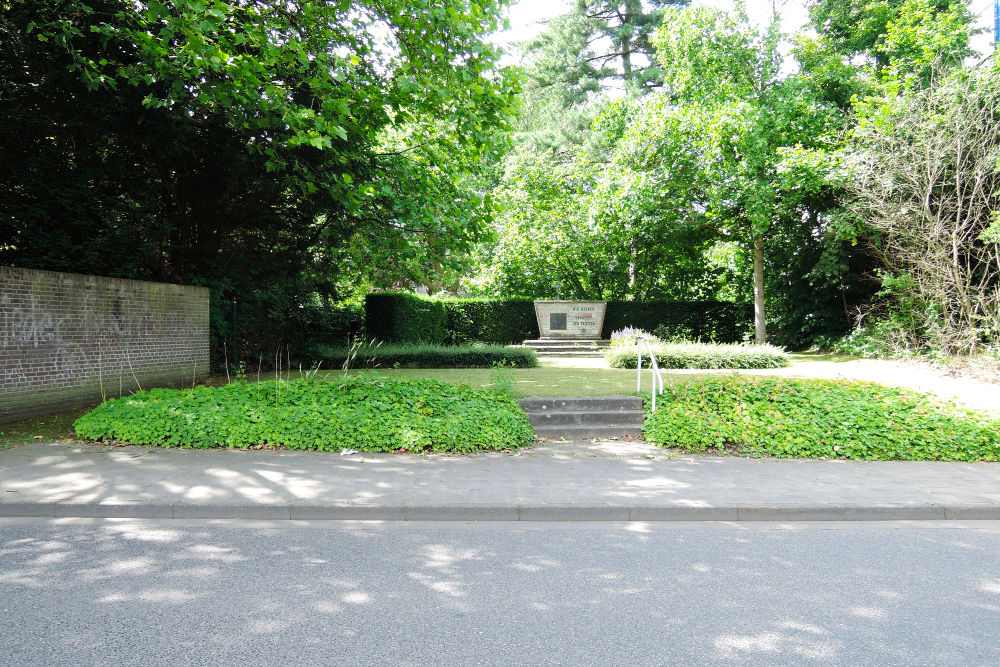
column 760, row 324
column 632, row 270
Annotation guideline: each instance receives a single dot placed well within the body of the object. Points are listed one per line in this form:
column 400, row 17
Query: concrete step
column 565, row 347
column 585, row 417
column 563, row 342
column 579, row 403
column 587, row 432
column 595, row 354
column 592, row 418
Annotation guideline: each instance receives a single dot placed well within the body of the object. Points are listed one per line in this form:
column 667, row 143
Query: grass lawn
column 530, row 381
column 566, row 380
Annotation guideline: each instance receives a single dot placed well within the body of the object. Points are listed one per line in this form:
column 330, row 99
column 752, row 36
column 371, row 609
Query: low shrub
column 878, row 340
column 369, row 414
column 701, row 355
column 470, row 355
column 819, row 418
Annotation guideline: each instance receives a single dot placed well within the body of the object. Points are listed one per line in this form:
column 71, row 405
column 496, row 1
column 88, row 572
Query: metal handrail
column 657, row 387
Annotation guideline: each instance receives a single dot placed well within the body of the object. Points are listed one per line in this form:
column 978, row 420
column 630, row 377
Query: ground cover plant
column 819, row 418
column 426, row 355
column 622, row 353
column 370, row 413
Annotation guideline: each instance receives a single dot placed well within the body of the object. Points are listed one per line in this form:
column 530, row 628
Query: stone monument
column 570, row 320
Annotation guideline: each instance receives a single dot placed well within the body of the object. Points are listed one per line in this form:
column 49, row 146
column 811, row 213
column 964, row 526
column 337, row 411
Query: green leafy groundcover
column 372, row 414
column 819, row 418
column 700, row 355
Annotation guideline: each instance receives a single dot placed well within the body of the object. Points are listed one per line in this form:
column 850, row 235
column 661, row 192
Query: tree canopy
column 294, row 153
column 271, row 150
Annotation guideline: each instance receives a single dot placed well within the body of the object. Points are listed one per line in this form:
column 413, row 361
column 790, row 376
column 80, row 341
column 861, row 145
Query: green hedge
column 366, row 414
column 818, row 418
column 407, row 318
column 716, row 321
column 501, row 321
column 701, row 355
column 415, row 355
column 404, row 318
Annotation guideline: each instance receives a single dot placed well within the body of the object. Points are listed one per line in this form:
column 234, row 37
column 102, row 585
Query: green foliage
column 567, row 68
column 425, row 355
column 277, row 155
column 682, row 320
column 265, row 322
column 760, row 140
column 408, row 318
column 313, row 325
column 501, row 377
column 924, row 176
column 370, row 414
column 895, row 37
column 700, row 355
column 819, row 418
column 566, row 223
column 873, row 341
column 404, row 318
column 501, row 321
column 908, row 329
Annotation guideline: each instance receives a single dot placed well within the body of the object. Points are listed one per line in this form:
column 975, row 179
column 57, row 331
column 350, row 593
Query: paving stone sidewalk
column 600, row 480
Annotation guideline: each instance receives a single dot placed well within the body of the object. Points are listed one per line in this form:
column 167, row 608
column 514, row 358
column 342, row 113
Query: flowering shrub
column 628, row 335
column 700, row 355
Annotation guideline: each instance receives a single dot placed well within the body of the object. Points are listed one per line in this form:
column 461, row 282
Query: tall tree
column 748, row 123
column 245, row 144
column 567, row 68
column 887, row 31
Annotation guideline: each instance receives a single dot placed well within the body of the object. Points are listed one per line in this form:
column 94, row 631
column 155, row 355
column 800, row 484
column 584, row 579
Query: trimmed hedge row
column 819, row 419
column 701, row 355
column 715, row 321
column 423, row 355
column 407, row 318
column 366, row 414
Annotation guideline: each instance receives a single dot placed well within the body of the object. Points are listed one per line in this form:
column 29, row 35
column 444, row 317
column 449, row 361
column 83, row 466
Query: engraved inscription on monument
column 579, row 320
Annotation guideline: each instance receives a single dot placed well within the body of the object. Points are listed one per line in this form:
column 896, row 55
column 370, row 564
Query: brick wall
column 68, row 339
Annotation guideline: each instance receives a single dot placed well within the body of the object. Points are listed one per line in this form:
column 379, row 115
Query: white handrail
column 657, row 387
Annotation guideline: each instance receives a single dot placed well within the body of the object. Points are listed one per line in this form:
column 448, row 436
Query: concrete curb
column 776, row 512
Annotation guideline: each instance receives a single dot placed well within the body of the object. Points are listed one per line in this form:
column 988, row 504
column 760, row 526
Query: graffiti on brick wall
column 73, row 337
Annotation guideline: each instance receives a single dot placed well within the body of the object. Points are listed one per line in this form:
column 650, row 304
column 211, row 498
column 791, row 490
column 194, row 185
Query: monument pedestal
column 569, row 328
column 570, row 320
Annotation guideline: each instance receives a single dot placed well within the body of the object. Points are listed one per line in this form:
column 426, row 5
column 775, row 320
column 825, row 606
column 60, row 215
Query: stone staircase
column 562, row 347
column 584, row 418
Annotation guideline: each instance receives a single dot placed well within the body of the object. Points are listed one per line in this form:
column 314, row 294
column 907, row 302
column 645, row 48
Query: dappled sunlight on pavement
column 371, row 593
column 597, row 473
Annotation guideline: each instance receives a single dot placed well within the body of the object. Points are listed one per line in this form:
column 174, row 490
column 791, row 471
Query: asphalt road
column 78, row 591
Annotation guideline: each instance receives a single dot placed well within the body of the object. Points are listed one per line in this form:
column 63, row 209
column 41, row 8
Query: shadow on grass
column 816, row 355
column 52, row 428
